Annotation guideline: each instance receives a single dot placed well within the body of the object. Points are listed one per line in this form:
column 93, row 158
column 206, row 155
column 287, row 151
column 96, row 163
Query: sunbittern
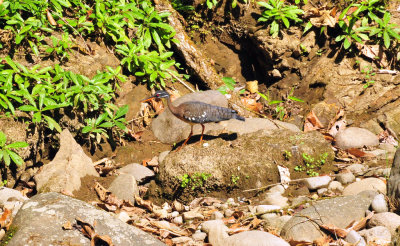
column 195, row 112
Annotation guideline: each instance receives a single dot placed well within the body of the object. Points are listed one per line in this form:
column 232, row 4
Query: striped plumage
column 195, row 112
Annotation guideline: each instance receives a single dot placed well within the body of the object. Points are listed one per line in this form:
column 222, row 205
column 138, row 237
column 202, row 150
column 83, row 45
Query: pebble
column 230, row 201
column 178, row 220
column 199, row 236
column 275, row 198
column 263, row 209
column 357, row 169
column 217, row 215
column 315, row 183
column 174, row 214
column 300, row 200
column 277, row 188
column 322, row 191
column 2, row 233
column 224, row 206
column 379, row 204
column 378, row 235
column 355, row 238
column 335, row 186
column 228, row 212
column 345, row 177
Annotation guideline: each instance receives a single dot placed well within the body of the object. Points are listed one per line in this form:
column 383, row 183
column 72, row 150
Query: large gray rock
column 169, row 129
column 65, row 171
column 251, row 157
column 374, row 184
column 393, row 184
column 355, row 137
column 40, row 222
column 304, row 225
column 218, row 236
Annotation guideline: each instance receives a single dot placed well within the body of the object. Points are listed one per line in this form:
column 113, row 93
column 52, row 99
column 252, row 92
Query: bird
column 195, row 112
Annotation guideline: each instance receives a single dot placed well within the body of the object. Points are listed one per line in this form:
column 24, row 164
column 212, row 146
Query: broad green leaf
column 3, row 139
column 28, row 108
column 346, row 43
column 17, row 145
column 386, row 39
column 15, row 157
column 52, row 123
column 6, row 157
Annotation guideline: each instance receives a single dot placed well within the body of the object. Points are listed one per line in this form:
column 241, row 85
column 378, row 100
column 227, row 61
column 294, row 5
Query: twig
column 181, row 81
column 387, row 71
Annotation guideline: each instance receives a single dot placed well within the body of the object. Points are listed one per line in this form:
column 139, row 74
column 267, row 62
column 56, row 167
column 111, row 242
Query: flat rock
column 124, row 187
column 365, row 184
column 40, row 222
column 140, row 172
column 387, row 219
column 64, row 172
column 218, row 236
column 314, row 183
column 355, row 137
column 303, row 225
column 254, row 154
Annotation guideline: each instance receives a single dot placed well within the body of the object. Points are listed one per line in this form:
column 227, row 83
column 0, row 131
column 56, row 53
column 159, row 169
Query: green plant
column 368, row 73
column 235, row 179
column 60, row 48
column 194, row 181
column 310, row 164
column 287, row 155
column 7, row 153
column 277, row 12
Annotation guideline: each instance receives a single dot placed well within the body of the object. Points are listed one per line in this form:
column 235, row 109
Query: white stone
column 322, row 191
column 355, row 238
column 335, row 186
column 123, row 216
column 314, row 183
column 217, row 215
column 277, row 188
column 174, row 214
column 199, row 236
column 345, row 178
column 228, row 212
column 263, row 209
column 275, row 198
column 379, row 204
column 178, row 220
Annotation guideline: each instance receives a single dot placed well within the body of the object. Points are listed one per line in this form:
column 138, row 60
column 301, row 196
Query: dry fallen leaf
column 321, row 17
column 359, row 153
column 355, row 225
column 374, row 52
column 50, row 18
column 312, row 122
column 4, row 219
column 145, row 203
column 252, row 104
column 323, row 241
column 137, row 135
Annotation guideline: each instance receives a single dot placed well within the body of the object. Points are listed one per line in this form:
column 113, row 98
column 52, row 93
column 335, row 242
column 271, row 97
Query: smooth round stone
column 379, row 204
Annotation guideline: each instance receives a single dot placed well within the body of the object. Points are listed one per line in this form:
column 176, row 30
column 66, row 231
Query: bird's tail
column 238, row 117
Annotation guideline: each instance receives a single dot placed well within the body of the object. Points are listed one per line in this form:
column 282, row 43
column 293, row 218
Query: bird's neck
column 170, row 106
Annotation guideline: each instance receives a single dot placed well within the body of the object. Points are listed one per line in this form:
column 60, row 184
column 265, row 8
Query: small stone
column 217, row 215
column 322, row 191
column 224, row 206
column 216, row 205
column 124, row 187
column 2, row 233
column 379, row 204
column 263, row 209
column 275, row 198
column 301, row 191
column 314, row 183
column 355, row 137
column 140, row 172
column 162, row 156
column 178, row 220
column 276, row 74
column 177, row 206
column 277, row 188
column 161, row 213
column 357, row 169
column 123, row 216
column 378, row 235
column 314, row 196
column 355, row 238
column 199, row 236
column 230, row 201
column 269, row 216
column 228, row 212
column 345, row 177
column 335, row 186
column 174, row 214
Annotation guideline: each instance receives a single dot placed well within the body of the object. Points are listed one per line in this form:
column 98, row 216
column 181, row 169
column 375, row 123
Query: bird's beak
column 147, row 99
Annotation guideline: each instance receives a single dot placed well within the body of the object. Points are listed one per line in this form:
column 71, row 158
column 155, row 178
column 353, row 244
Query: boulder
column 355, row 137
column 64, row 172
column 40, row 222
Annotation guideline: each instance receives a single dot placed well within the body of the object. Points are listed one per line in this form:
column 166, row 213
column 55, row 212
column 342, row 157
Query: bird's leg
column 187, row 139
column 202, row 133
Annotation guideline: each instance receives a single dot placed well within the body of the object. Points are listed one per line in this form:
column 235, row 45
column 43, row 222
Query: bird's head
column 157, row 94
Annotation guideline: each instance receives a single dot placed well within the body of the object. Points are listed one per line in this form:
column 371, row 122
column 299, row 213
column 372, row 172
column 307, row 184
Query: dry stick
column 66, row 22
column 181, row 81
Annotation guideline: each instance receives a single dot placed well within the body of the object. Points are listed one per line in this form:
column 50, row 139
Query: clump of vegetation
column 235, row 179
column 311, row 165
column 7, row 153
column 194, row 181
